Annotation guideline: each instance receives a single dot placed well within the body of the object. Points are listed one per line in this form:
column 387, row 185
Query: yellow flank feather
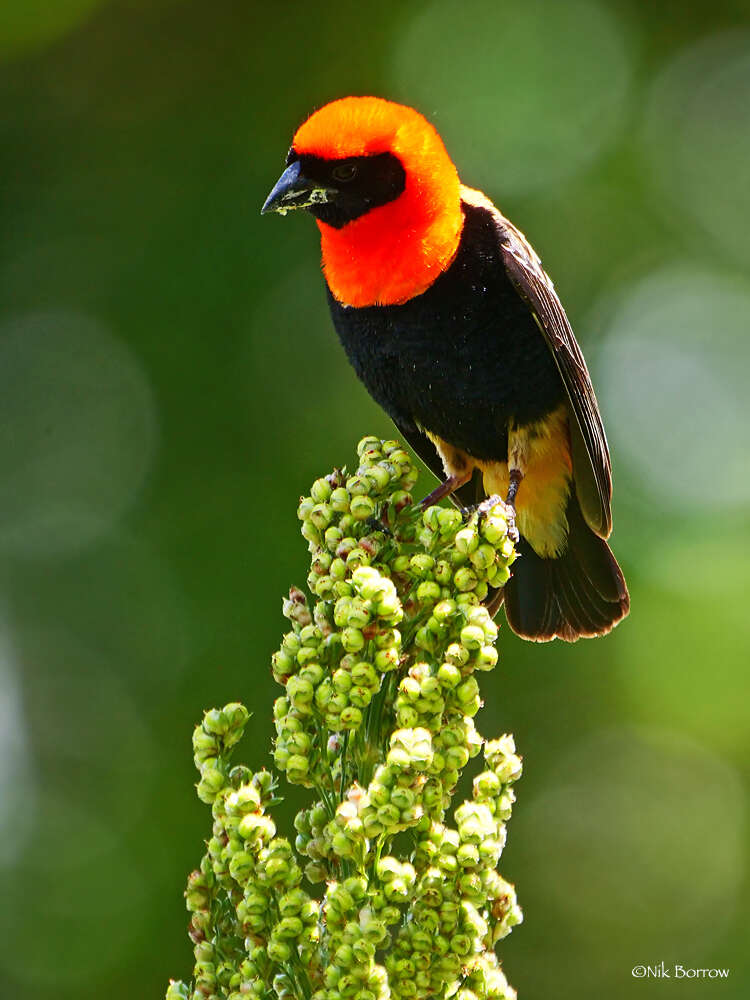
column 541, row 451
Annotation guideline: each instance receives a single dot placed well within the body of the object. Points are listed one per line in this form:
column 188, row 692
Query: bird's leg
column 515, row 476
column 450, row 485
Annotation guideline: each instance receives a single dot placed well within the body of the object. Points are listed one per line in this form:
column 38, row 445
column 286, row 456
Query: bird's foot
column 483, row 509
column 512, row 529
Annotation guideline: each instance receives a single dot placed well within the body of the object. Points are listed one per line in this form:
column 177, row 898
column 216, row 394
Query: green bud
column 483, row 557
column 472, row 636
column 360, row 697
column 333, row 538
column 364, row 675
column 431, row 518
column 494, row 527
column 352, row 640
column 297, row 768
column 241, row 867
column 466, row 540
column 449, row 521
column 310, row 533
column 465, row 579
column 388, row 815
column 254, row 828
column 342, row 680
column 351, row 718
column 211, row 783
column 299, row 691
column 279, row 951
column 389, row 608
column 177, row 990
column 461, row 945
column 205, row 743
column 428, row 592
column 380, row 475
column 374, row 930
column 445, row 610
column 468, row 856
column 288, row 928
column 501, row 757
column 443, row 572
column 339, row 500
column 358, row 486
column 387, row 659
column 197, row 898
column 388, row 868
column 316, row 872
column 320, row 491
column 358, row 615
column 401, row 499
column 498, row 576
column 407, row 716
column 369, row 444
column 306, row 504
column 421, row 564
column 321, row 516
column 244, row 800
column 449, row 675
column 215, row 721
column 468, row 690
column 486, row 785
column 362, row 508
column 486, row 658
column 456, row 758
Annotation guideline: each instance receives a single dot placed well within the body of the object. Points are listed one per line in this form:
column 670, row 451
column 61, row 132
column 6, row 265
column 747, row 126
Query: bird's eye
column 344, row 172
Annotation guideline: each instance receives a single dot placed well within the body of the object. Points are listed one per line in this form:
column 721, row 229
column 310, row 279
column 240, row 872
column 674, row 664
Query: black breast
column 462, row 358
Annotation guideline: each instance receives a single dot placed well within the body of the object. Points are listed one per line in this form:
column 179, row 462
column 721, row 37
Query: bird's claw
column 482, row 510
column 512, row 529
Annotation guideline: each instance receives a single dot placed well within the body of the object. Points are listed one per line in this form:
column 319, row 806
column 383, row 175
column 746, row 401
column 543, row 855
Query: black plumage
column 487, row 344
column 460, row 359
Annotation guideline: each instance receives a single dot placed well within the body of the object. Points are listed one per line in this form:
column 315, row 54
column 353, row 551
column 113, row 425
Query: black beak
column 294, row 190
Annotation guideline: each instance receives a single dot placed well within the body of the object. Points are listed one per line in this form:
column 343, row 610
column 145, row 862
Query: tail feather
column 581, row 593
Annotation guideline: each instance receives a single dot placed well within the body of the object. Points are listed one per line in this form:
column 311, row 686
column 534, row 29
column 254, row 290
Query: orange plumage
column 397, row 250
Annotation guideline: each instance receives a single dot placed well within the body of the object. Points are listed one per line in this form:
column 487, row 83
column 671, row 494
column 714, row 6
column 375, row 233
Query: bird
column 449, row 319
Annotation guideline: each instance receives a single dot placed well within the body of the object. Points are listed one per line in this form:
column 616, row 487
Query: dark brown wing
column 591, row 463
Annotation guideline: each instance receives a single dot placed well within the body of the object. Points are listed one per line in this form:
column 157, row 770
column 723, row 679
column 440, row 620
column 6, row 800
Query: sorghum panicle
column 377, row 720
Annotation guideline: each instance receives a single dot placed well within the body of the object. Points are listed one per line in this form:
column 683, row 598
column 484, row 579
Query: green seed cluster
column 379, row 670
column 253, row 927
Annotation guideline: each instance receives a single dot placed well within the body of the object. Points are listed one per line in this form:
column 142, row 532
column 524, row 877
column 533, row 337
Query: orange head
column 385, row 194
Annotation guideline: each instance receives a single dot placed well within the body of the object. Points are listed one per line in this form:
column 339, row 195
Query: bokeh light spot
column 78, row 431
column 17, row 788
column 672, row 372
column 638, row 839
column 523, row 93
column 697, row 137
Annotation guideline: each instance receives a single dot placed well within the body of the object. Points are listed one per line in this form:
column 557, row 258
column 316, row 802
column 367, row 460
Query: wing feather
column 591, row 462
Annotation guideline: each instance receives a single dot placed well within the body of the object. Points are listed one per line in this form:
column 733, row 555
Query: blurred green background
column 170, row 384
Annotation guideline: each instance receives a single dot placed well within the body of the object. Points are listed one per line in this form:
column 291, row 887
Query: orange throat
column 393, row 253
column 398, row 249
